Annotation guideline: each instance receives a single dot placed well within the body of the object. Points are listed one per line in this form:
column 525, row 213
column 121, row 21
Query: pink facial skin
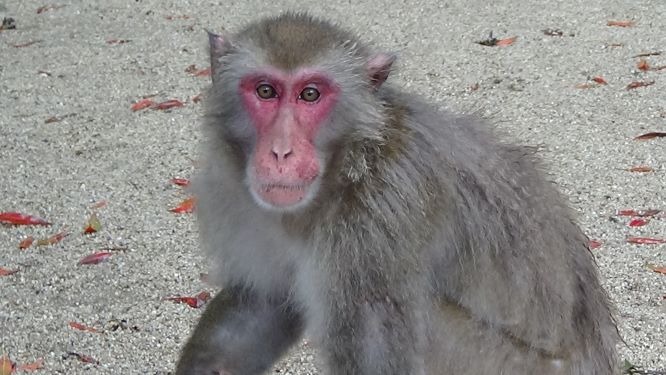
column 285, row 165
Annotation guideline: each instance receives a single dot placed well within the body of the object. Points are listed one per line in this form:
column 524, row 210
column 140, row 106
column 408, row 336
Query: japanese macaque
column 400, row 238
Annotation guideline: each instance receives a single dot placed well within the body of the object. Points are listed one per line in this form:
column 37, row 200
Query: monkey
column 398, row 237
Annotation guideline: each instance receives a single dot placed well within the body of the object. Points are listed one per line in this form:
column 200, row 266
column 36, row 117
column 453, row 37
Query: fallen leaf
column 182, row 17
column 32, row 366
column 646, row 54
column 117, row 41
column 96, row 258
column 99, row 204
column 615, row 45
column 650, row 135
column 26, row 242
column 639, row 213
column 45, row 8
column 637, row 84
column 645, row 240
column 54, row 239
column 624, row 23
column 83, row 327
column 185, row 206
column 638, row 222
column 657, row 269
column 594, row 244
column 142, row 104
column 6, row 365
column 172, row 103
column 194, row 302
column 506, row 41
column 83, row 358
column 193, row 70
column 643, row 65
column 600, row 80
column 93, row 225
column 52, row 119
column 553, row 32
column 197, row 98
column 180, row 181
column 640, row 169
column 16, row 218
column 6, row 271
column 26, row 44
column 493, row 42
column 586, row 86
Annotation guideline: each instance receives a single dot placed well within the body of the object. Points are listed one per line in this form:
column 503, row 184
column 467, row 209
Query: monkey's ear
column 219, row 45
column 379, row 67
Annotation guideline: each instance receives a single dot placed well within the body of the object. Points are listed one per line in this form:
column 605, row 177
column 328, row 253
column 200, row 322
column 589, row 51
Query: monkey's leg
column 239, row 333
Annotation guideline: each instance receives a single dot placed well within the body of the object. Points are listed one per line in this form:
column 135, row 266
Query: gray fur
column 432, row 246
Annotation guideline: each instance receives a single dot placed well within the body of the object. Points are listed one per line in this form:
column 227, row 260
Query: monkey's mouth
column 283, row 195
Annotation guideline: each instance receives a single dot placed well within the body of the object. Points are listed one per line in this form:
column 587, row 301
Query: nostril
column 281, row 154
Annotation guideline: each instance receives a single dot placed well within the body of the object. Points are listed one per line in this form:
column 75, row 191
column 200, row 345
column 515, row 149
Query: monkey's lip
column 283, row 194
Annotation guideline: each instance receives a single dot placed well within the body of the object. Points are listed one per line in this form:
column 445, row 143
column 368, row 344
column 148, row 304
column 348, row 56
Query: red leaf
column 83, row 358
column 54, row 239
column 96, row 258
column 142, row 104
column 638, row 222
column 645, row 240
column 637, row 84
column 172, row 103
column 203, row 73
column 640, row 213
column 600, row 80
column 6, row 271
column 93, row 225
column 180, row 181
column 506, row 41
column 643, row 65
column 594, row 244
column 651, row 135
column 657, row 269
column 624, row 23
column 185, row 206
column 26, row 242
column 83, row 327
column 16, row 218
column 33, row 366
column 641, row 169
column 194, row 302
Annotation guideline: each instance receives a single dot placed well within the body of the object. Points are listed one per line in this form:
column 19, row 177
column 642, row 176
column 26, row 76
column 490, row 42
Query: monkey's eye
column 309, row 94
column 266, row 91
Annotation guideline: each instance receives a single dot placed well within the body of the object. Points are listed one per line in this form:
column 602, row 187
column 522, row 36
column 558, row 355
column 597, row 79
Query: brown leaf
column 83, row 358
column 641, row 169
column 646, row 54
column 594, row 244
column 194, row 302
column 637, row 84
column 6, row 365
column 650, row 135
column 186, row 206
column 181, row 17
column 494, row 42
column 645, row 240
column 638, row 222
column 26, row 242
column 196, row 98
column 7, row 272
column 117, row 41
column 643, row 65
column 99, row 204
column 45, row 8
column 553, row 32
column 96, row 258
column 54, row 239
column 83, row 327
column 639, row 213
column 657, row 269
column 624, row 23
column 26, row 44
column 600, row 80
column 32, row 366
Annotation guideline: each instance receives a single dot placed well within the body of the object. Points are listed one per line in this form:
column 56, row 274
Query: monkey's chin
column 283, row 197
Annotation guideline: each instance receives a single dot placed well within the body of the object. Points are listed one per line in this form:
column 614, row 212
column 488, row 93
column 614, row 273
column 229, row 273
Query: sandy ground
column 101, row 150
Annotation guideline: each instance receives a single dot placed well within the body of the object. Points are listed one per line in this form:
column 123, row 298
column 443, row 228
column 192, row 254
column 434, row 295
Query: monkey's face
column 287, row 111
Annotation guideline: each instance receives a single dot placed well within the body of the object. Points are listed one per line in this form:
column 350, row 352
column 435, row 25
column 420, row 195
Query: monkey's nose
column 281, row 153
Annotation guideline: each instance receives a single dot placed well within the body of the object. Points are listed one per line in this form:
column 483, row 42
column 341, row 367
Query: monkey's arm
column 239, row 333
